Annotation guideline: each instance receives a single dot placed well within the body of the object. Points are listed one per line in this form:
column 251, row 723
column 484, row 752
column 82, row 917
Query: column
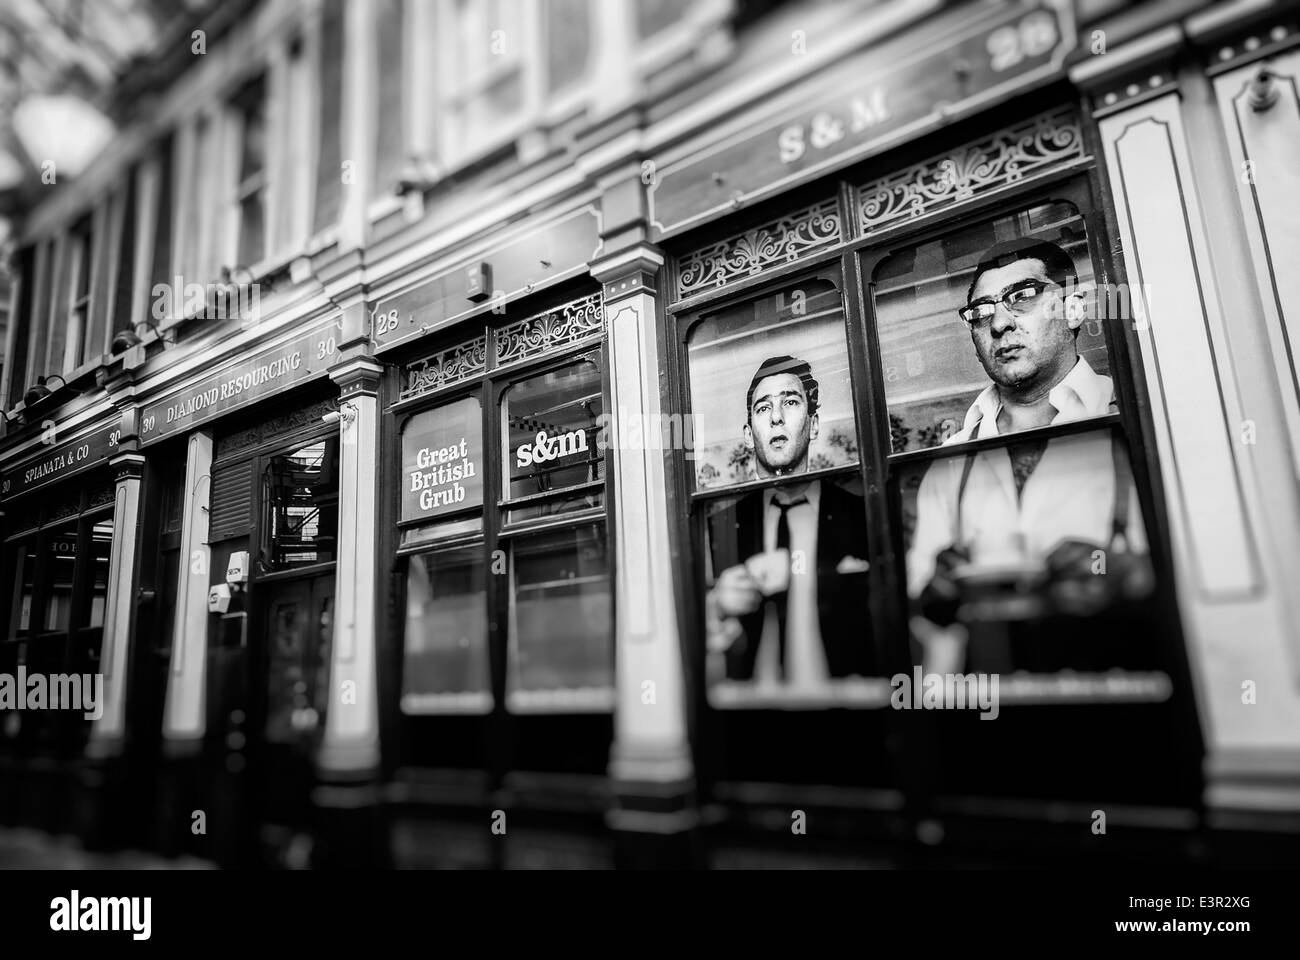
column 1220, row 429
column 184, row 714
column 106, row 736
column 350, row 747
column 650, row 760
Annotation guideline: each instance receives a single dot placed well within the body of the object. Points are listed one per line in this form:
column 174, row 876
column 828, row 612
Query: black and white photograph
column 649, row 435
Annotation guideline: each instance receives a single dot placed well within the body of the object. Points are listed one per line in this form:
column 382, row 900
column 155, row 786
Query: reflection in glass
column 446, row 661
column 60, row 567
column 551, row 430
column 932, row 371
column 101, row 552
column 302, row 496
column 561, row 646
column 24, row 581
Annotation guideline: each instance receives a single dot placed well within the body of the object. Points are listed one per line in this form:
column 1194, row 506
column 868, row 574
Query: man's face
column 780, row 428
column 1022, row 351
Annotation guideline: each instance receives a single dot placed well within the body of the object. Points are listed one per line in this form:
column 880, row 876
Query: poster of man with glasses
column 1040, row 511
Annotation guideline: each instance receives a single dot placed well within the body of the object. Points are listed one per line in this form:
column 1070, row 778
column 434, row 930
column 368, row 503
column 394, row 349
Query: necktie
column 783, row 543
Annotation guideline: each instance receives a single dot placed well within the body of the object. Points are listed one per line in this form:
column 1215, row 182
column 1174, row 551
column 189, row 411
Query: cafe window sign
column 442, row 458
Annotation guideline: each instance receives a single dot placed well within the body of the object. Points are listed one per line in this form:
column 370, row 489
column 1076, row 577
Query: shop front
column 497, row 547
column 921, row 513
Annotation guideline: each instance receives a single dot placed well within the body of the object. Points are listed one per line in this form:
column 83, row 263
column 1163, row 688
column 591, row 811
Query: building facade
column 387, row 421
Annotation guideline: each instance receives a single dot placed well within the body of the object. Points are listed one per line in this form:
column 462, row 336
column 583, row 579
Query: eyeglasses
column 1019, row 298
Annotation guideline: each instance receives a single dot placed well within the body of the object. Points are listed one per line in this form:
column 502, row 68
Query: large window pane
column 446, row 664
column 302, row 504
column 793, row 336
column 551, row 430
column 938, row 369
column 568, row 42
column 24, row 565
column 101, row 552
column 561, row 646
column 60, row 569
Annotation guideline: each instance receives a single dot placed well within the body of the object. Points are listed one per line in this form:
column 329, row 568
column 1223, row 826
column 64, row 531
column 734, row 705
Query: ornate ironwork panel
column 780, row 241
column 571, row 323
column 446, row 367
column 977, row 167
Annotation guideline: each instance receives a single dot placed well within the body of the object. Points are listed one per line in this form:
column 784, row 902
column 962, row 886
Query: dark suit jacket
column 736, row 534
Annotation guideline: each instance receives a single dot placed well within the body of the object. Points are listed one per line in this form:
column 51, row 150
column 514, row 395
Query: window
column 329, row 160
column 57, row 563
column 787, row 555
column 301, row 506
column 250, row 186
column 503, row 523
column 507, row 63
column 390, row 152
column 990, row 331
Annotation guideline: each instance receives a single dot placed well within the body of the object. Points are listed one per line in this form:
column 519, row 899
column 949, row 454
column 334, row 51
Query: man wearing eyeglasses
column 1013, row 505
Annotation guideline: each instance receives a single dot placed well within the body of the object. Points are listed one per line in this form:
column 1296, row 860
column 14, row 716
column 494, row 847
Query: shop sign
column 267, row 372
column 867, row 108
column 442, row 461
column 491, row 279
column 61, row 459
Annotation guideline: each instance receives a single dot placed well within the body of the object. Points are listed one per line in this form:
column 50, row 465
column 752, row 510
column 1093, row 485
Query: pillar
column 183, row 716
column 108, row 732
column 350, row 747
column 650, row 765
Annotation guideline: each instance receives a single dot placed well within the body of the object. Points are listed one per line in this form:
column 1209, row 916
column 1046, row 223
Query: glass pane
column 558, row 506
column 442, row 460
column 568, row 42
column 389, row 154
column 24, row 579
column 253, row 154
column 1003, row 577
column 945, row 379
column 787, row 612
column 250, row 230
column 561, row 627
column 792, row 345
column 302, row 492
column 655, row 15
column 446, row 665
column 301, row 627
column 60, row 567
column 551, row 430
column 101, row 552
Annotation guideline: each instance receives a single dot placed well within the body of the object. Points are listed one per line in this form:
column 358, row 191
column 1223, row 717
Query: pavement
column 26, row 849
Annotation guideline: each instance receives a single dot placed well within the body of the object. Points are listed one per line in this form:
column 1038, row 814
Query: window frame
column 495, row 534
column 857, row 256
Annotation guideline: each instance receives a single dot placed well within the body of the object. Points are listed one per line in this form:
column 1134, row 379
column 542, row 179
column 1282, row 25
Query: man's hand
column 736, row 592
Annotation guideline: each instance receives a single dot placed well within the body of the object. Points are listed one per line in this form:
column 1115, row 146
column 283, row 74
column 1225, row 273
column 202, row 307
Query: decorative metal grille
column 977, row 167
column 446, row 367
column 546, row 331
column 780, row 241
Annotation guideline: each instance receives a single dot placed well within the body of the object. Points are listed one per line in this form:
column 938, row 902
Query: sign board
column 875, row 102
column 442, row 460
column 61, row 458
column 264, row 373
column 549, row 252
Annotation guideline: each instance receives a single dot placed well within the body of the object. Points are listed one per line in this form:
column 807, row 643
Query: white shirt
column 805, row 658
column 1070, row 494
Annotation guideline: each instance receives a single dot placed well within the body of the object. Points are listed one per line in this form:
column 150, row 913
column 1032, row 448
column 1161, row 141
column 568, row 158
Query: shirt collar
column 813, row 493
column 1081, row 393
